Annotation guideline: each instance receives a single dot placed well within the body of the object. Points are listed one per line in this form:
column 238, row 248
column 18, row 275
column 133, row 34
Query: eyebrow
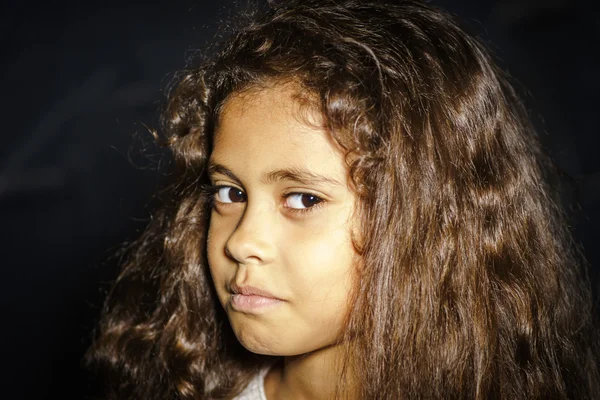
column 294, row 174
column 221, row 169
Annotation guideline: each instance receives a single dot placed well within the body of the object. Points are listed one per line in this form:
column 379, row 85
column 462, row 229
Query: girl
column 358, row 210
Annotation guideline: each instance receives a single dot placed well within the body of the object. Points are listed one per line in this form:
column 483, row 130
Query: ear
column 357, row 240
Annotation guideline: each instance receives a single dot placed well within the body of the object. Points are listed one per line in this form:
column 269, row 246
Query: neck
column 308, row 376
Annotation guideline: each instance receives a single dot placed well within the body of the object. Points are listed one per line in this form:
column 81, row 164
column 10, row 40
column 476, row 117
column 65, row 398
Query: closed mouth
column 251, row 291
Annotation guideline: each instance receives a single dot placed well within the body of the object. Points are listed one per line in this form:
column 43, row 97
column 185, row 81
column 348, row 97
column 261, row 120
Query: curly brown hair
column 471, row 287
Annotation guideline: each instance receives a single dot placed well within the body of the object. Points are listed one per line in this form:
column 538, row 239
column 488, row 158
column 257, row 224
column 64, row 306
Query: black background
column 79, row 83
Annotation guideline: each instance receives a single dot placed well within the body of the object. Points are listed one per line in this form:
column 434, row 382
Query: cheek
column 211, row 244
column 215, row 249
column 325, row 245
column 324, row 265
column 322, row 285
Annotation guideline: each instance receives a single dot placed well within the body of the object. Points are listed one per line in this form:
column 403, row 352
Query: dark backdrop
column 81, row 80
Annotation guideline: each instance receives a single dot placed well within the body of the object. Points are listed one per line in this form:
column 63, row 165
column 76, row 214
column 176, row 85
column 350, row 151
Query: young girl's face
column 279, row 244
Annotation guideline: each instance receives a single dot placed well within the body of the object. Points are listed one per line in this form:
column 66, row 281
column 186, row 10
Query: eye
column 229, row 194
column 302, row 200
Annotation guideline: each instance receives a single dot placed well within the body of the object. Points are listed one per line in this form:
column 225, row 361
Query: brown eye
column 302, row 200
column 229, row 194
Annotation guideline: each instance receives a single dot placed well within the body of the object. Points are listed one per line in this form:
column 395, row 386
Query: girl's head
column 279, row 240
column 370, row 169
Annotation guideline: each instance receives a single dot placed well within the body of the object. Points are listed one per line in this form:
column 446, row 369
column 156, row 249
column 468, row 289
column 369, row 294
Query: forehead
column 274, row 127
column 281, row 104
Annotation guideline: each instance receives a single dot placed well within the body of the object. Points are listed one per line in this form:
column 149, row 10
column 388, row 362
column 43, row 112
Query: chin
column 256, row 343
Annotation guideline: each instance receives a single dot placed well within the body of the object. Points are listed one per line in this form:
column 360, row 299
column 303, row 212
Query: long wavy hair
column 469, row 286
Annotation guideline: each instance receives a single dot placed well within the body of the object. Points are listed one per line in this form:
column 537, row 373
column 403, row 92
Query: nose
column 252, row 241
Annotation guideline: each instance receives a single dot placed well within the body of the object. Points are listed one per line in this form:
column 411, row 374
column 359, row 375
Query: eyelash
column 211, row 191
column 306, row 210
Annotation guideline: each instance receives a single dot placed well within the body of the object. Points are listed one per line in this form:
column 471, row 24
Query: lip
column 250, row 299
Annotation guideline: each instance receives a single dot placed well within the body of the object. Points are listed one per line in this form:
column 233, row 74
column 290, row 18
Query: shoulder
column 255, row 389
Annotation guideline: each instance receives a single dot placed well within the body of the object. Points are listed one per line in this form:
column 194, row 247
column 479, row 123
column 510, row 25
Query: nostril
column 228, row 253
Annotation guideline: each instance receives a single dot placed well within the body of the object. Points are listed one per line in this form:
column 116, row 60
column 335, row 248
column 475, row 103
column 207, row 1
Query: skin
column 266, row 231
